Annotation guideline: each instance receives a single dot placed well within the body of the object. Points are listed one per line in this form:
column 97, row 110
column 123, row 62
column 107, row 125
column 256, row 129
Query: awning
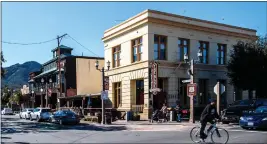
column 81, row 96
column 46, row 72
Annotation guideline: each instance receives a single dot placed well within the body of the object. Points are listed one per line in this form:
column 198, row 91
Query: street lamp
column 42, row 81
column 103, row 87
column 191, row 73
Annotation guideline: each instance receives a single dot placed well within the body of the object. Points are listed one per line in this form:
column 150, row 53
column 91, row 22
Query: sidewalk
column 144, row 125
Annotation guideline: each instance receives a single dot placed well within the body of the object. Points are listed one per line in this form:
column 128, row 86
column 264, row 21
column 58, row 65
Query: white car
column 40, row 114
column 6, row 111
column 25, row 113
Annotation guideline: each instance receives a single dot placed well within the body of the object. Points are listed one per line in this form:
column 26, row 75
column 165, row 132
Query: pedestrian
column 178, row 109
column 164, row 111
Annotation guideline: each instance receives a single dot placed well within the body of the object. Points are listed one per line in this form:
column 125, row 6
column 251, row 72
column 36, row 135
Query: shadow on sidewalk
column 44, row 127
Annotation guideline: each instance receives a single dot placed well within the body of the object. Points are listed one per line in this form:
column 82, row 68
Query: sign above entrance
column 154, row 75
column 191, row 89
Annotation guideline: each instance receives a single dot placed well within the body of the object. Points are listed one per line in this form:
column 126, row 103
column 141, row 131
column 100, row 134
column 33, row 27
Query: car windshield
column 262, row 109
column 46, row 110
column 30, row 110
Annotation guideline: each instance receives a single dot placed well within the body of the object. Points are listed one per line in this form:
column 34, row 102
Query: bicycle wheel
column 195, row 134
column 219, row 135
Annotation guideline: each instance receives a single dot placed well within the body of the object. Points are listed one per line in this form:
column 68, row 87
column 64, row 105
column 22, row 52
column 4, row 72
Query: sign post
column 218, row 90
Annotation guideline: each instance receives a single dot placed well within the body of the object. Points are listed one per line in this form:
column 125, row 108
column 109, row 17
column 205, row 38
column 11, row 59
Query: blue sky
column 27, row 22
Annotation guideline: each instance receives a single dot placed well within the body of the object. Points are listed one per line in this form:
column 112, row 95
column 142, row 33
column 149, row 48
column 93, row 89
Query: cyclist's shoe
column 203, row 137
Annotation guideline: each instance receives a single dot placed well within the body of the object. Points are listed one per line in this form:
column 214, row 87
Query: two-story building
column 79, row 79
column 153, row 36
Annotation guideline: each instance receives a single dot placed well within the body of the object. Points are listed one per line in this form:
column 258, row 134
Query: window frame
column 158, row 48
column 201, row 43
column 116, row 63
column 181, row 48
column 138, row 53
column 118, row 95
column 218, row 58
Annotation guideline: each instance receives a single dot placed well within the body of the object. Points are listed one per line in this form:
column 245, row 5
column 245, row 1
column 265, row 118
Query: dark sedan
column 64, row 117
column 255, row 119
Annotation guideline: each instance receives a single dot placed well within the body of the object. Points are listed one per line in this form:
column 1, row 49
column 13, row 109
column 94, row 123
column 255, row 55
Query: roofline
column 86, row 57
column 201, row 20
column 178, row 16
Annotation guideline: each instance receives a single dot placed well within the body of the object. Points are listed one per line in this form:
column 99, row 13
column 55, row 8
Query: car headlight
column 242, row 118
column 264, row 119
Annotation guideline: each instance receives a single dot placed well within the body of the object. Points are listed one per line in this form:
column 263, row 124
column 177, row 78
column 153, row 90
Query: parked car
column 64, row 117
column 234, row 111
column 7, row 111
column 25, row 113
column 254, row 119
column 40, row 114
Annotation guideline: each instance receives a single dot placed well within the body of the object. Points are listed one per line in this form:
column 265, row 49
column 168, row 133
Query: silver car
column 40, row 114
column 25, row 113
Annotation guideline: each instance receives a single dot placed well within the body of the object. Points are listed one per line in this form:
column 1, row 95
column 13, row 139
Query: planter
column 136, row 118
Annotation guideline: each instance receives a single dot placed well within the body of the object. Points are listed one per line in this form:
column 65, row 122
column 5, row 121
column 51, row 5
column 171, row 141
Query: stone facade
column 150, row 23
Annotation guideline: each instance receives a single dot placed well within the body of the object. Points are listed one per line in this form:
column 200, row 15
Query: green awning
column 46, row 72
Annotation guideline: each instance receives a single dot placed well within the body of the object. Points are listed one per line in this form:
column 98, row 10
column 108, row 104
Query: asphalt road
column 16, row 130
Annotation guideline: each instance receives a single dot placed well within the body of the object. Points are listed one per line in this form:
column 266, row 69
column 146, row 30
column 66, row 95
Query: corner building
column 153, row 36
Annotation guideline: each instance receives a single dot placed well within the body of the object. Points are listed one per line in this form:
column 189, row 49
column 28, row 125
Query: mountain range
column 17, row 75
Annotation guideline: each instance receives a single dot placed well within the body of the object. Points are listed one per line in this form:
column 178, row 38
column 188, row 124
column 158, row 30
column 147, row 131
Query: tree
column 6, row 93
column 2, row 60
column 247, row 66
column 16, row 97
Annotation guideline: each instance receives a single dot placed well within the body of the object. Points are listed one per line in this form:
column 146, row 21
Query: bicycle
column 215, row 131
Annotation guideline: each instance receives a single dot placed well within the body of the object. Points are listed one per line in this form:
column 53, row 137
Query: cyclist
column 208, row 115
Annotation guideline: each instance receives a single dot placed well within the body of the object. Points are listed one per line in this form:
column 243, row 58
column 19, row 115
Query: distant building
column 153, row 36
column 79, row 79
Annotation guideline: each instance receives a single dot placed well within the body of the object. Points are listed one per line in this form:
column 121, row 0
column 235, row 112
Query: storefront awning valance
column 82, row 96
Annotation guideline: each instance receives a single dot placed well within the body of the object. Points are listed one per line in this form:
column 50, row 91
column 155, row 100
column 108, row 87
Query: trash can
column 172, row 115
column 129, row 115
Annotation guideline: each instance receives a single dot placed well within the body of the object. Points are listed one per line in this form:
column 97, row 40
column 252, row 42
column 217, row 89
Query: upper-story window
column 116, row 51
column 160, row 46
column 221, row 54
column 204, row 48
column 137, row 45
column 183, row 48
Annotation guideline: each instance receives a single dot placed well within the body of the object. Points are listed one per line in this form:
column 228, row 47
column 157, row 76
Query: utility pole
column 59, row 38
column 192, row 119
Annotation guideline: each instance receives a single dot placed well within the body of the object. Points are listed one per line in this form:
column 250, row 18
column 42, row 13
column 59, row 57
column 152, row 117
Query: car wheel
column 30, row 117
column 20, row 117
column 245, row 128
column 37, row 119
column 50, row 120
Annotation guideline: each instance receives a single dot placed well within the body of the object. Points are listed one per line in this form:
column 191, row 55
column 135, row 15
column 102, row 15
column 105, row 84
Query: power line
column 83, row 46
column 28, row 43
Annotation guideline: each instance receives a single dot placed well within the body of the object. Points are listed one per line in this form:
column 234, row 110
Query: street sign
column 191, row 89
column 104, row 95
column 222, row 89
column 186, row 81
